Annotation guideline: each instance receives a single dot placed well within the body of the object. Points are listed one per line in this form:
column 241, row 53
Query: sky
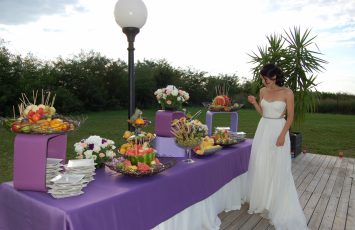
column 203, row 35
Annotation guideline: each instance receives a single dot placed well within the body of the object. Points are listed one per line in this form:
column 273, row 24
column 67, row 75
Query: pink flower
column 168, row 102
column 102, row 155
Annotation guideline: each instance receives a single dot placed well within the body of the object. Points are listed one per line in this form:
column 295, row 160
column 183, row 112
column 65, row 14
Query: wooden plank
column 318, row 199
column 318, row 213
column 232, row 215
column 305, row 195
column 296, row 162
column 316, row 179
column 304, row 164
column 350, row 218
column 262, row 225
column 327, row 184
column 308, row 193
column 313, row 164
column 222, row 215
column 251, row 222
column 329, row 215
column 329, row 187
column 238, row 222
column 327, row 221
column 324, row 179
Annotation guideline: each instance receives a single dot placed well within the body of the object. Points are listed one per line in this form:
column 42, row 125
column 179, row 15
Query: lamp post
column 130, row 15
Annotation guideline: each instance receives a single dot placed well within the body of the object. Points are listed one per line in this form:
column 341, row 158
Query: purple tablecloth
column 122, row 202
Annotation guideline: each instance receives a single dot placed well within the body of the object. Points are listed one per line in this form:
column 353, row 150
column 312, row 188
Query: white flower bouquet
column 97, row 148
column 171, row 98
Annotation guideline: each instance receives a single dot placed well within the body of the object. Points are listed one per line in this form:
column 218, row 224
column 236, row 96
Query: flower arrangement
column 171, row 98
column 188, row 132
column 97, row 148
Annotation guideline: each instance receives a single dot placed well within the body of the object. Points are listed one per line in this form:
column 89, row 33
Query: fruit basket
column 224, row 137
column 40, row 118
column 222, row 102
column 116, row 165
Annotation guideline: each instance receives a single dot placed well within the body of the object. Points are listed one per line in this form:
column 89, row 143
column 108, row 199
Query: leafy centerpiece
column 171, row 98
column 188, row 133
column 40, row 118
column 222, row 102
column 95, row 147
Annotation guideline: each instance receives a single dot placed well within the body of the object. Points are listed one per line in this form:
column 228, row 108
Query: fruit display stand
column 233, row 121
column 30, row 158
column 164, row 142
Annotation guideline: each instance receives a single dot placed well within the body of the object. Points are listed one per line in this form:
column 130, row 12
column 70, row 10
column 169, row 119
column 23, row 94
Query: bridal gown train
column 271, row 188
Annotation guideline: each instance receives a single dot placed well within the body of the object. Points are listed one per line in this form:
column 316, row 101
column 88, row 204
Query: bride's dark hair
column 271, row 70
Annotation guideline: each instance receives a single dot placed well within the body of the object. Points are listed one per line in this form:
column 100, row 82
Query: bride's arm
column 252, row 100
column 290, row 114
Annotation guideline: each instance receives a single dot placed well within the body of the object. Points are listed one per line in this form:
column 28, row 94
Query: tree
column 293, row 53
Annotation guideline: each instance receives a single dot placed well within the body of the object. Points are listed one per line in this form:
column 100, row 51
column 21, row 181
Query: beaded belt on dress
column 273, row 117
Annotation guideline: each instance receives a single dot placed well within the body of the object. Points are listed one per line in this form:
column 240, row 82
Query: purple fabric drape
column 122, row 202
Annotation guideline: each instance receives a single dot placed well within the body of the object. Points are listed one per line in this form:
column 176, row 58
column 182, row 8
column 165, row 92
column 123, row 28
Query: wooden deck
column 326, row 188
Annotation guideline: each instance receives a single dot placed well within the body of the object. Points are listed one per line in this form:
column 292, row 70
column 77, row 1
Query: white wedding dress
column 271, row 188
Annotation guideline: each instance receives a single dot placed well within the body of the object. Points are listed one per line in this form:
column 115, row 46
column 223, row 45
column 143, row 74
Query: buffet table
column 114, row 201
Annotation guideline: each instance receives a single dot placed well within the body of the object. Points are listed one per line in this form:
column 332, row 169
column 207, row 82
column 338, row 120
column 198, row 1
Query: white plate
column 53, row 161
column 67, row 179
column 80, row 163
column 69, row 195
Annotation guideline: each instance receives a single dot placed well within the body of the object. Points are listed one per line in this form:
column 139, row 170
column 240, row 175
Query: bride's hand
column 252, row 100
column 280, row 141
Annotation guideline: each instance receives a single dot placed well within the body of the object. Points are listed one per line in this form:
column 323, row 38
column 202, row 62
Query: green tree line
column 92, row 82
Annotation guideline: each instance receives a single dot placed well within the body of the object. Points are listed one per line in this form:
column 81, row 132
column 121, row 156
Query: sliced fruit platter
column 222, row 102
column 39, row 118
column 224, row 138
column 138, row 160
column 207, row 147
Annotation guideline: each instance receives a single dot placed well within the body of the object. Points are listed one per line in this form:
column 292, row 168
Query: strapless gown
column 271, row 188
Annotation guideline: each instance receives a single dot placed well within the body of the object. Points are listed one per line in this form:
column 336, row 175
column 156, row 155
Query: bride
column 271, row 188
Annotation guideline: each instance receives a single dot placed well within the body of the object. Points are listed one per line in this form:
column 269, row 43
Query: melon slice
column 219, row 100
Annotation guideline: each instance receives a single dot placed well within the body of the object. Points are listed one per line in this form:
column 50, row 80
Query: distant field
column 321, row 133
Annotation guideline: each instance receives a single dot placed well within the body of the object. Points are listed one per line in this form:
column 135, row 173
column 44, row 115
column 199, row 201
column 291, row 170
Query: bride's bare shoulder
column 287, row 90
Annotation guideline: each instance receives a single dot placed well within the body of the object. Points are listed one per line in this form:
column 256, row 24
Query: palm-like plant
column 293, row 54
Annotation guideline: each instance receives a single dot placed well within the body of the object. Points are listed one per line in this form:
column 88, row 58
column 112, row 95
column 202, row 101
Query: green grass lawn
column 321, row 133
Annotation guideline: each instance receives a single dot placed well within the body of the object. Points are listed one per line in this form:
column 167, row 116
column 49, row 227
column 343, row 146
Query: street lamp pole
column 131, row 15
column 131, row 33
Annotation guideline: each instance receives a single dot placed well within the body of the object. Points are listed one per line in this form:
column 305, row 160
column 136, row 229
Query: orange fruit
column 139, row 121
column 56, row 124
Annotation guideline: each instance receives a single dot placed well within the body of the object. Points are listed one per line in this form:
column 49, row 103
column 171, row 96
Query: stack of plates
column 53, row 168
column 66, row 185
column 84, row 167
column 78, row 173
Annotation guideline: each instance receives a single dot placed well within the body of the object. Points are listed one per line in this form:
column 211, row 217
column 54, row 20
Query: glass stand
column 188, row 155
